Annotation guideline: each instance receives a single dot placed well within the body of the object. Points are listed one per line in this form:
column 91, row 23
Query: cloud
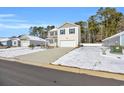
column 16, row 26
column 6, row 15
column 8, row 21
column 12, row 20
column 19, row 26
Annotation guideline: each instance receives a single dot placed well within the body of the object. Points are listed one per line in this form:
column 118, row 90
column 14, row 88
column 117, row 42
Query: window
column 55, row 40
column 51, row 33
column 72, row 31
column 14, row 42
column 62, row 31
column 55, row 32
column 51, row 41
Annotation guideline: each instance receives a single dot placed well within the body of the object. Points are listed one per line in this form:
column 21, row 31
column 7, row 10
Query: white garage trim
column 67, row 43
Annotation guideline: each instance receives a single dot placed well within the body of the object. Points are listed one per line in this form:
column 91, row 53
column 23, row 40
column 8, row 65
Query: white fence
column 91, row 44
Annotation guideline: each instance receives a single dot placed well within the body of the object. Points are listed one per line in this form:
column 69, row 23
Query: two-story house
column 67, row 35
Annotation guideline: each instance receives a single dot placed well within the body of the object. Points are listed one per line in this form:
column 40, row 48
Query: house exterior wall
column 53, row 42
column 112, row 41
column 15, row 42
column 24, row 43
column 26, row 40
column 52, row 38
column 54, row 34
column 36, row 43
column 79, row 35
column 122, row 40
column 12, row 43
column 9, row 43
column 67, row 38
column 72, row 37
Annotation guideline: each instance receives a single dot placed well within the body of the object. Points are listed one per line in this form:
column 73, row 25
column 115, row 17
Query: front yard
column 92, row 58
column 87, row 57
column 17, row 51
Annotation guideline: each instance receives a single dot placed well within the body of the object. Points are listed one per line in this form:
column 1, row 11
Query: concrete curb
column 73, row 70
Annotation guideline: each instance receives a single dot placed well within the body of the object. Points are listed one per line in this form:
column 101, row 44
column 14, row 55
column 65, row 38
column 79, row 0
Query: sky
column 15, row 21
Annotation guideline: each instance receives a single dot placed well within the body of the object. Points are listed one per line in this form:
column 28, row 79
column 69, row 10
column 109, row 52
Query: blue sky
column 15, row 21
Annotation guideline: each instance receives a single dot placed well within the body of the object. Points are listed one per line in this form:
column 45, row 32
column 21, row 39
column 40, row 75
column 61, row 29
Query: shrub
column 42, row 46
column 32, row 46
column 116, row 49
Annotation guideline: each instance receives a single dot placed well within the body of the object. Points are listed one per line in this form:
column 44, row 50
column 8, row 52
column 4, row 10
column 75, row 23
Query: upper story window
column 51, row 33
column 62, row 32
column 72, row 31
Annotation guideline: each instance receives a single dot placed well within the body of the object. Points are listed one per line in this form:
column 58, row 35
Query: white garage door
column 68, row 43
column 25, row 43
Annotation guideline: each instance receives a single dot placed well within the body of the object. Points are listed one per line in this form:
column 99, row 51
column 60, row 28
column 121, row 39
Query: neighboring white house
column 26, row 40
column 117, row 39
column 22, row 41
column 14, row 41
column 3, row 41
column 67, row 35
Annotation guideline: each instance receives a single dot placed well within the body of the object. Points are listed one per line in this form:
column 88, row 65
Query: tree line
column 106, row 22
column 40, row 31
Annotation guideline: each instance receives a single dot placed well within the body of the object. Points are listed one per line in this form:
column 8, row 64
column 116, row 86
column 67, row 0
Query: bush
column 42, row 46
column 116, row 49
column 32, row 46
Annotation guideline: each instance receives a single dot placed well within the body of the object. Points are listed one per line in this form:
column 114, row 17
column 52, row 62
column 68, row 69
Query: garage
column 24, row 43
column 68, row 43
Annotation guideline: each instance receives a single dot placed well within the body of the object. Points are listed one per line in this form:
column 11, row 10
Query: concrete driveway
column 44, row 57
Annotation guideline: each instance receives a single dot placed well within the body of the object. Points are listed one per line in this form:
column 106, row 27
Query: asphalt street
column 17, row 74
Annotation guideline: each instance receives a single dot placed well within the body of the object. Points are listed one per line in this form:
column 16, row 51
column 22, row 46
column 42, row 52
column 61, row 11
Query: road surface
column 17, row 74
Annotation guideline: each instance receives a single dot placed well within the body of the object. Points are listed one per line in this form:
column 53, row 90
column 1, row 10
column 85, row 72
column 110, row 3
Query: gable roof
column 54, row 29
column 118, row 34
column 4, row 39
column 66, row 25
column 15, row 38
column 29, row 37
